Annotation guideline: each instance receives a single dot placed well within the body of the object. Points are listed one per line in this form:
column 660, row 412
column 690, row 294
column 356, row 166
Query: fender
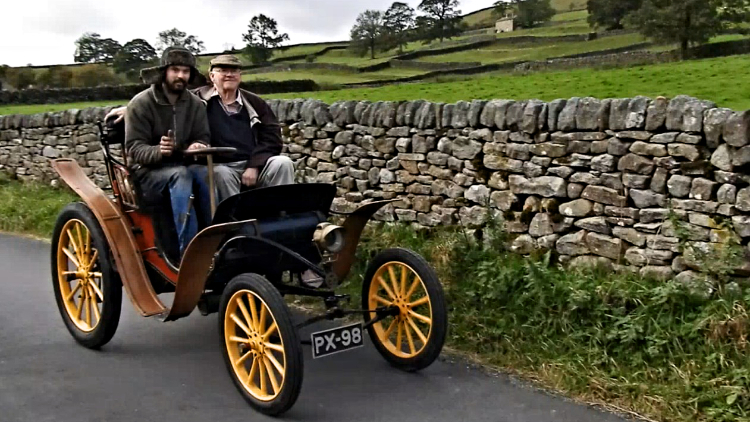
column 196, row 262
column 353, row 225
column 117, row 230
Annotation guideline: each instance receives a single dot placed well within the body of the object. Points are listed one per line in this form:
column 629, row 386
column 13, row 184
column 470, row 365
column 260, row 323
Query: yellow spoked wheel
column 88, row 292
column 80, row 283
column 261, row 346
column 413, row 337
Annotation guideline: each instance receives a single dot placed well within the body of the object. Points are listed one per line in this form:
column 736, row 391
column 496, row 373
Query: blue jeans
column 182, row 182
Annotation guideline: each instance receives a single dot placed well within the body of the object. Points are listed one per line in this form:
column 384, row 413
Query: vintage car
column 242, row 265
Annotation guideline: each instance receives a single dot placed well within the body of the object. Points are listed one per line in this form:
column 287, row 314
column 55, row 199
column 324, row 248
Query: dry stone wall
column 649, row 185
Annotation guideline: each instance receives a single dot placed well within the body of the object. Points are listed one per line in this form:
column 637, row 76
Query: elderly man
column 162, row 122
column 240, row 119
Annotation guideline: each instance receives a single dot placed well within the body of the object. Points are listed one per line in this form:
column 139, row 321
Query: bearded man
column 161, row 123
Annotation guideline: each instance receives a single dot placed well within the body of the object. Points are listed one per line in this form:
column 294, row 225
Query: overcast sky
column 42, row 32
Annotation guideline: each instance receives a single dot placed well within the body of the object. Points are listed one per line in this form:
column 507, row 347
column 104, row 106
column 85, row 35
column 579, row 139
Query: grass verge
column 657, row 349
column 636, row 345
column 30, row 208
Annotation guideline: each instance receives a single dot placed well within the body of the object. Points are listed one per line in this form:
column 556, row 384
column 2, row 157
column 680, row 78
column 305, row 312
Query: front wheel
column 261, row 346
column 87, row 288
column 413, row 338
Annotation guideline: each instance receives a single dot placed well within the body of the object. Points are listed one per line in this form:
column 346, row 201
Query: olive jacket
column 149, row 116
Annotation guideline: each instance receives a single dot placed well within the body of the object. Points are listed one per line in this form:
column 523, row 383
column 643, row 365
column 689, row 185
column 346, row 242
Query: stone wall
column 120, row 92
column 645, row 184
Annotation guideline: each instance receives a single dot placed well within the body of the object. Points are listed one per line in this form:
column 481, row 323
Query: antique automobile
column 241, row 266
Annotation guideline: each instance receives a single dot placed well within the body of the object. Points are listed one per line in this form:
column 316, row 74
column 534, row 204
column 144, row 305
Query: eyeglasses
column 227, row 71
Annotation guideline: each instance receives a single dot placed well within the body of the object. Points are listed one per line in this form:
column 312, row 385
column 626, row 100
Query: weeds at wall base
column 655, row 348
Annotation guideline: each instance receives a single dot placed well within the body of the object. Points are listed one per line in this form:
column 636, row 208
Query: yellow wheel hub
column 254, row 345
column 80, row 284
column 397, row 284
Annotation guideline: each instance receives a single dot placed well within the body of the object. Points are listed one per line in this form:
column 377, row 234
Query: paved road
column 153, row 371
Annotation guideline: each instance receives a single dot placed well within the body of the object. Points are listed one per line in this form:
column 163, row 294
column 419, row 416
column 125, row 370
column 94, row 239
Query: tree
column 502, row 7
column 444, row 17
column 20, row 77
column 94, row 75
column 261, row 37
column 367, row 32
column 687, row 22
column 55, row 77
column 398, row 20
column 91, row 48
column 134, row 55
column 610, row 13
column 531, row 13
column 176, row 38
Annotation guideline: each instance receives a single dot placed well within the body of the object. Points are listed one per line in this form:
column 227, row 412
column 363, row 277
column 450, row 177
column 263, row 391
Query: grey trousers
column 279, row 170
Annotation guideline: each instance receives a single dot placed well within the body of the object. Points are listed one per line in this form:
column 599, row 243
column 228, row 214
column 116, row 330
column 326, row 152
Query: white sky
column 43, row 32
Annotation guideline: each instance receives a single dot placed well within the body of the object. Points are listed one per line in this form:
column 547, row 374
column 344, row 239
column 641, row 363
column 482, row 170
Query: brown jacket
column 263, row 121
column 149, row 116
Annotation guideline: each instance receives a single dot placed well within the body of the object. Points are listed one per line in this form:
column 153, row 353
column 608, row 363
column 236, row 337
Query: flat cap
column 225, row 60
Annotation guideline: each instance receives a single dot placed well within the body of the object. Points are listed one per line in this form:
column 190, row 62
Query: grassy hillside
column 706, row 79
column 528, row 51
column 480, row 18
column 566, row 5
column 332, row 77
column 485, row 17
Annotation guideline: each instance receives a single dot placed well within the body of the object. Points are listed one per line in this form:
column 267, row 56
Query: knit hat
column 173, row 56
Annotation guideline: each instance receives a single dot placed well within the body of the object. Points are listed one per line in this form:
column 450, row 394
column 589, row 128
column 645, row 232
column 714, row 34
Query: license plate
column 335, row 340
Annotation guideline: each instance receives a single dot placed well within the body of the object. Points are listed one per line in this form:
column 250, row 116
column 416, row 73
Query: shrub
column 55, row 77
column 94, row 75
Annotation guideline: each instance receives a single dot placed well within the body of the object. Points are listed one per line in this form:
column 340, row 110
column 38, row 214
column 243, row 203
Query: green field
column 43, row 108
column 719, row 38
column 480, row 18
column 565, row 5
column 332, row 77
column 573, row 27
column 705, row 79
column 487, row 18
column 531, row 51
column 302, row 49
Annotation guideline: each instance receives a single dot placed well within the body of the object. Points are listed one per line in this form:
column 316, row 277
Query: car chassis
column 253, row 253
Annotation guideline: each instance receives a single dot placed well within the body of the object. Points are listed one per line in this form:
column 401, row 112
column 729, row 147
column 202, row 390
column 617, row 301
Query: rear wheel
column 87, row 289
column 412, row 339
column 261, row 346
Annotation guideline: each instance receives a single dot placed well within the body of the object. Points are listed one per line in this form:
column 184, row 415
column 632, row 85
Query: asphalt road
column 154, row 371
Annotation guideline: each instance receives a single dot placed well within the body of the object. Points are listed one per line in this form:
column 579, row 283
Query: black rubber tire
column 111, row 284
column 294, row 370
column 434, row 290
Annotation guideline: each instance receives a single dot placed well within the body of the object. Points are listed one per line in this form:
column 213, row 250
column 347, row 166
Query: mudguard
column 196, row 262
column 353, row 225
column 117, row 229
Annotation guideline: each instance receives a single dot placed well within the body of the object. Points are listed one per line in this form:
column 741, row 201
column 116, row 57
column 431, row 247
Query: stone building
column 504, row 24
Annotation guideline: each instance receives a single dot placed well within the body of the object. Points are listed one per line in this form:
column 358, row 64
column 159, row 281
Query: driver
column 162, row 122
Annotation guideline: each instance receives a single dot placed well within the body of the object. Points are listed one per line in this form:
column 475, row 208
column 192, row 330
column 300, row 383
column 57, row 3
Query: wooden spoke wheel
column 87, row 289
column 413, row 338
column 261, row 346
